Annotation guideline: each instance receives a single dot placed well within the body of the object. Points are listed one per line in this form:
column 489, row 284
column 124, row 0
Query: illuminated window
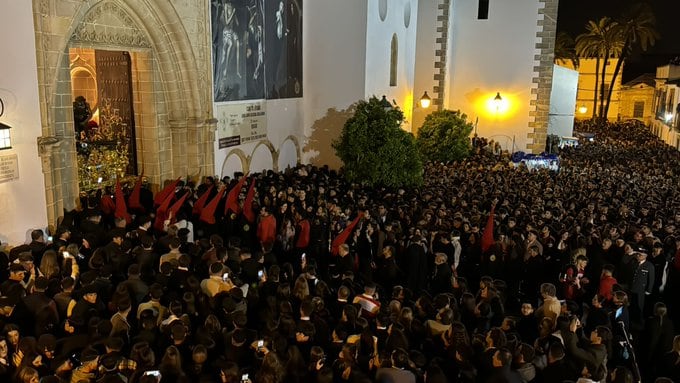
column 5, row 142
column 483, row 10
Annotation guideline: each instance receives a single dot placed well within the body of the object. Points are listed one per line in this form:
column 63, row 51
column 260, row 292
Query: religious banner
column 240, row 123
column 257, row 49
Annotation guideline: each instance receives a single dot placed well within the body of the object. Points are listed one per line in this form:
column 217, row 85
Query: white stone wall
column 499, row 54
column 22, row 202
column 400, row 19
column 334, row 77
column 563, row 101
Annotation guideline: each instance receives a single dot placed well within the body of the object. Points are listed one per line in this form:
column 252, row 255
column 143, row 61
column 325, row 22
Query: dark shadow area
column 324, row 131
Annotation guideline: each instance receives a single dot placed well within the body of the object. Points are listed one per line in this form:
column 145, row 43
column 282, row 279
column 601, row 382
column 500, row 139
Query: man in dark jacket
column 643, row 284
column 43, row 309
column 593, row 356
column 557, row 369
column 388, row 273
column 502, row 359
column 441, row 277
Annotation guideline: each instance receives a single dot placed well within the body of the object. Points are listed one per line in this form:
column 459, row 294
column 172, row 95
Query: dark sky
column 574, row 14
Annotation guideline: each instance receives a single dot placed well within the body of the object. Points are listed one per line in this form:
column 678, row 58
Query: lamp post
column 498, row 100
column 385, row 104
column 425, row 101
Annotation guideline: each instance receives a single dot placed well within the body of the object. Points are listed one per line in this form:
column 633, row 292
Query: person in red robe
column 266, row 229
column 302, row 232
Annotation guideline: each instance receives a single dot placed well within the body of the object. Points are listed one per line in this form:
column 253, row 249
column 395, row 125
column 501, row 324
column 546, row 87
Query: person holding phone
column 217, row 282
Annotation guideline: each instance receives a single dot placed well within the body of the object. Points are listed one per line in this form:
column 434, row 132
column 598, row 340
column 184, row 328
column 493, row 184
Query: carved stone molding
column 46, row 144
column 109, row 24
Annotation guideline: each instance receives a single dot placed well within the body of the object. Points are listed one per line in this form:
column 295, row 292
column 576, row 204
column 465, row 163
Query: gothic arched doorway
column 170, row 65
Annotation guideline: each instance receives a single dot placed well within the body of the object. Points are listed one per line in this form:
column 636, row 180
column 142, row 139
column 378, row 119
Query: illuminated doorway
column 103, row 116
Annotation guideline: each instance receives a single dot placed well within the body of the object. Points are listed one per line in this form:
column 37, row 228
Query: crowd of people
column 489, row 272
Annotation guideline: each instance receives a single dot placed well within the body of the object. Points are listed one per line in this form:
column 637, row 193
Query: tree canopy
column 375, row 150
column 445, row 136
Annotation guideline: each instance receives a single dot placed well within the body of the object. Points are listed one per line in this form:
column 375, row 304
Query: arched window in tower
column 483, row 10
column 394, row 58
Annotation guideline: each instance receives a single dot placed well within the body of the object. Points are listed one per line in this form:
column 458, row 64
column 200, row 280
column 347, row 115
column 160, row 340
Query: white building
column 666, row 122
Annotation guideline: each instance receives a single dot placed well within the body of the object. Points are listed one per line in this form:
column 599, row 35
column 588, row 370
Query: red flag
column 121, row 209
column 232, row 197
column 133, row 201
column 208, row 213
column 176, row 206
column 248, row 203
column 487, row 236
column 200, row 202
column 163, row 194
column 342, row 237
column 162, row 212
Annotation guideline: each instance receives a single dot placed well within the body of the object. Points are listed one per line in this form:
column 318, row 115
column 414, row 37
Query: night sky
column 574, row 14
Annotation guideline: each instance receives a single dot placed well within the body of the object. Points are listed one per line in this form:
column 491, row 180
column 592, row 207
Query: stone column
column 540, row 103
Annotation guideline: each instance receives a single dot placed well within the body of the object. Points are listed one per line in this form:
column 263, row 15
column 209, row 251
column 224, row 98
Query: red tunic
column 303, row 237
column 266, row 230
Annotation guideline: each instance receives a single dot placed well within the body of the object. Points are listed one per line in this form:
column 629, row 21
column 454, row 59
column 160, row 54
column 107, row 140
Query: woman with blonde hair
column 574, row 279
column 49, row 266
column 301, row 288
column 28, row 375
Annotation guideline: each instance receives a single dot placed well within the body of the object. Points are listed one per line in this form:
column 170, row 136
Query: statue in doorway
column 81, row 114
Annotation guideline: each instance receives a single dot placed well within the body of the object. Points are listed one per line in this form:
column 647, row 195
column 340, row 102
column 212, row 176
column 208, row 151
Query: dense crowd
column 487, row 273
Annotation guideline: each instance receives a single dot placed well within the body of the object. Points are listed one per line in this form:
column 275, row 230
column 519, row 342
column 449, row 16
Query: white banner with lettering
column 240, row 123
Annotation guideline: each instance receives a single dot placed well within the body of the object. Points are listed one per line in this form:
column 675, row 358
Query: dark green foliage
column 375, row 150
column 445, row 136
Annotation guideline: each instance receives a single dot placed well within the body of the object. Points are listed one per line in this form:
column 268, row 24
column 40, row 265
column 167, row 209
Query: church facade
column 217, row 86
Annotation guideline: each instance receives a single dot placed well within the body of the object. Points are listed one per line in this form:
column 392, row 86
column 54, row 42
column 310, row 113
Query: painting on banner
column 257, row 49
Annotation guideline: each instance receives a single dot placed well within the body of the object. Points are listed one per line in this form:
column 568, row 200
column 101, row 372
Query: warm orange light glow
column 425, row 101
column 498, row 105
column 583, row 109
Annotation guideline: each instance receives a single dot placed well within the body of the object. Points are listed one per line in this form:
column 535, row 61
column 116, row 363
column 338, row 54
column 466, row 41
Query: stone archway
column 282, row 154
column 242, row 157
column 173, row 108
column 272, row 151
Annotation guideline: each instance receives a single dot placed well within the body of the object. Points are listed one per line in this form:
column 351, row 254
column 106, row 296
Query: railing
column 508, row 140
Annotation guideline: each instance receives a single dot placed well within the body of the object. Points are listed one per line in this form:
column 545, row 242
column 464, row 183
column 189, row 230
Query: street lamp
column 425, row 101
column 669, row 117
column 498, row 101
column 583, row 109
column 385, row 104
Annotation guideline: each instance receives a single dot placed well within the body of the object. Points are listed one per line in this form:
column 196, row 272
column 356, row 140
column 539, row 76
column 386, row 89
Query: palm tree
column 600, row 41
column 636, row 29
column 565, row 50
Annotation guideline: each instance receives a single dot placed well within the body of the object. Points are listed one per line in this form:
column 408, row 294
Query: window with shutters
column 638, row 109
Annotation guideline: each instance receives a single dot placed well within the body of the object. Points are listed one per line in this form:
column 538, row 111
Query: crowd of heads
column 489, row 272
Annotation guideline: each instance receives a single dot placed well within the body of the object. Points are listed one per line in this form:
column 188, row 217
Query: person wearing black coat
column 388, row 274
column 441, row 277
column 415, row 262
column 642, row 285
column 669, row 364
column 593, row 355
column 557, row 369
column 502, row 359
column 659, row 333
